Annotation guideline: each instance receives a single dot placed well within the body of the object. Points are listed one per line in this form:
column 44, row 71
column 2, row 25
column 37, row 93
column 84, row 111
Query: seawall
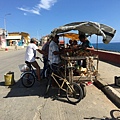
column 108, row 56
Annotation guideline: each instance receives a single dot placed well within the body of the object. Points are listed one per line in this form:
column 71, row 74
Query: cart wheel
column 74, row 93
column 28, row 80
column 83, row 86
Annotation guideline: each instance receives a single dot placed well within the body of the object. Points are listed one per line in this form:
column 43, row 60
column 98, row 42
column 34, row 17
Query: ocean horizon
column 115, row 47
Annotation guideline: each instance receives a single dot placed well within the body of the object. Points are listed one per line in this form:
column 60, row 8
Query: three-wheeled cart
column 88, row 28
column 73, row 72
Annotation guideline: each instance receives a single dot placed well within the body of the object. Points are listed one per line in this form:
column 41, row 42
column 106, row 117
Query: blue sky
column 40, row 17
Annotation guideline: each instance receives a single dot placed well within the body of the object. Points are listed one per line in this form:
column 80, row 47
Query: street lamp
column 5, row 22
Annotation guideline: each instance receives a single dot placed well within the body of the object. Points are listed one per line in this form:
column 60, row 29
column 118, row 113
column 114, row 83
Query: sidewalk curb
column 110, row 92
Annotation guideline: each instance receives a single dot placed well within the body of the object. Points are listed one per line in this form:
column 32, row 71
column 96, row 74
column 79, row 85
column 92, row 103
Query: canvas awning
column 88, row 28
column 72, row 36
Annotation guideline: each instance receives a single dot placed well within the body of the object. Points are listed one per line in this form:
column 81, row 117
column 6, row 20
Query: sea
column 114, row 47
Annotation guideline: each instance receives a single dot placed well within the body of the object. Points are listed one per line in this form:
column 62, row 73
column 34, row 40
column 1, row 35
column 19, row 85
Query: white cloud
column 46, row 4
column 43, row 4
column 25, row 13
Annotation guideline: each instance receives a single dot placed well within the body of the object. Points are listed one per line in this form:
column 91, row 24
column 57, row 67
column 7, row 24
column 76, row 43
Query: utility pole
column 5, row 23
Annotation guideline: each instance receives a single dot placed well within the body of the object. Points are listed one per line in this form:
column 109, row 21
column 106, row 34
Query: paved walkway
column 106, row 80
column 9, row 48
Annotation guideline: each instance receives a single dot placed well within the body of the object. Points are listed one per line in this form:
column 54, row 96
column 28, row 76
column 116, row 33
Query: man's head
column 56, row 39
column 33, row 40
column 75, row 42
column 82, row 38
column 70, row 41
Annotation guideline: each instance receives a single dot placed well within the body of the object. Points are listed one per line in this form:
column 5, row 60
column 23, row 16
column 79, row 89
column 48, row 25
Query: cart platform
column 85, row 74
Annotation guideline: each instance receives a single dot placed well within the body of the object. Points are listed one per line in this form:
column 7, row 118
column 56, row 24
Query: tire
column 48, row 85
column 47, row 73
column 49, row 79
column 76, row 95
column 28, row 80
column 83, row 86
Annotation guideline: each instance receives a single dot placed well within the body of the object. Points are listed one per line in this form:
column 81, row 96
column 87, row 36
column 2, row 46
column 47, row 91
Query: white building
column 2, row 38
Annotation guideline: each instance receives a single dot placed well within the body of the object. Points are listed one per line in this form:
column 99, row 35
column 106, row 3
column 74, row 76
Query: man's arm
column 41, row 51
column 90, row 48
column 57, row 52
column 63, row 51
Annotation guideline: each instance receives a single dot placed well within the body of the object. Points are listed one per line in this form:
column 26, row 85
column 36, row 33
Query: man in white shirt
column 30, row 55
column 54, row 53
column 16, row 45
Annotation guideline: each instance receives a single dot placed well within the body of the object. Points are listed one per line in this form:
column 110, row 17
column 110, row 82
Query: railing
column 107, row 56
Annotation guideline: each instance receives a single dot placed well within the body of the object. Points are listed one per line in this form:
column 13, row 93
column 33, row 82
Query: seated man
column 70, row 44
column 30, row 55
column 86, row 45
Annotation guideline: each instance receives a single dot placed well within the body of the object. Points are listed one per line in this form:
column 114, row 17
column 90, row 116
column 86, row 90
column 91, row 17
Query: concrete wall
column 112, row 57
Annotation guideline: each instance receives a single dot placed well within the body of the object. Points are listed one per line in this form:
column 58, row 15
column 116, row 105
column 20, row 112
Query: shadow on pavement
column 115, row 115
column 59, row 96
column 38, row 89
column 2, row 83
column 18, row 90
column 114, row 86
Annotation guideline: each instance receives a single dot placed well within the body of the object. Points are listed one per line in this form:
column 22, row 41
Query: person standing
column 45, row 48
column 30, row 55
column 54, row 56
column 16, row 45
column 54, row 52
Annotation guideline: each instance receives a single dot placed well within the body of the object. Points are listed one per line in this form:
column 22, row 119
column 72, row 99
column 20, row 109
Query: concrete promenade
column 105, row 80
column 9, row 48
column 108, row 70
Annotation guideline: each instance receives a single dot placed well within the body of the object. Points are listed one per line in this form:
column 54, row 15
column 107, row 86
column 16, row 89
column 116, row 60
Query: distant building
column 8, row 40
column 22, row 38
column 26, row 37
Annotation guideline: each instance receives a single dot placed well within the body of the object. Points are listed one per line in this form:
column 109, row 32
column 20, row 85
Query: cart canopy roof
column 72, row 36
column 87, row 28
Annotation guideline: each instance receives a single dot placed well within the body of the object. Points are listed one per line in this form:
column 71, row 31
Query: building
column 2, row 38
column 22, row 38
